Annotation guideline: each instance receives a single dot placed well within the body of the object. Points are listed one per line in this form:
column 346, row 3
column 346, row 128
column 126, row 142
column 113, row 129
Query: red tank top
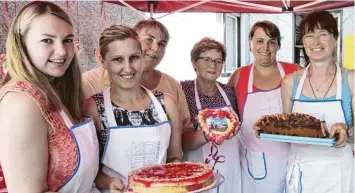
column 241, row 90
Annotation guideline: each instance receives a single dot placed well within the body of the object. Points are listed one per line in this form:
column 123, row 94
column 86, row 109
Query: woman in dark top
column 207, row 57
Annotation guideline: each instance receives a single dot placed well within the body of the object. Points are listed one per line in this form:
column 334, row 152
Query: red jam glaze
column 173, row 173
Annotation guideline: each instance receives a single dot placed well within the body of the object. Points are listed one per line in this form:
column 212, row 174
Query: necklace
column 314, row 94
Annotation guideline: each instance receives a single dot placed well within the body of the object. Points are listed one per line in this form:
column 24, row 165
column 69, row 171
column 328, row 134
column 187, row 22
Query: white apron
column 84, row 135
column 86, row 141
column 263, row 162
column 320, row 169
column 230, row 169
column 131, row 147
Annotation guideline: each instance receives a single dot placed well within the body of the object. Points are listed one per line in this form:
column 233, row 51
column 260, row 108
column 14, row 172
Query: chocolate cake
column 292, row 124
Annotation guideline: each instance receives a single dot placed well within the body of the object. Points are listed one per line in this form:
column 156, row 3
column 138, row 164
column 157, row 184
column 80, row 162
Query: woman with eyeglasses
column 208, row 57
column 257, row 88
column 325, row 89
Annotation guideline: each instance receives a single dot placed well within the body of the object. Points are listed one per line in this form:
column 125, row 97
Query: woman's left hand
column 339, row 130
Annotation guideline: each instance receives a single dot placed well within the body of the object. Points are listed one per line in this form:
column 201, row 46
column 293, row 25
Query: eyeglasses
column 208, row 60
column 319, row 35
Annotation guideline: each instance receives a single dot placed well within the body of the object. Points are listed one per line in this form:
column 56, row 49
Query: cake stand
column 219, row 181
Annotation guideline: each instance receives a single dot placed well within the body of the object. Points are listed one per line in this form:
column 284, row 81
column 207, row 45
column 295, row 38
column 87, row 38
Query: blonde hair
column 111, row 34
column 66, row 90
column 153, row 24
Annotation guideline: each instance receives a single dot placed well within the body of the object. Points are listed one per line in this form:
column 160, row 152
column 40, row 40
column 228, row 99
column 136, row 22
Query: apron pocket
column 325, row 178
column 256, row 164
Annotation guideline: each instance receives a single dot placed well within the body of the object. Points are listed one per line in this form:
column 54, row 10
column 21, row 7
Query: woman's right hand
column 116, row 186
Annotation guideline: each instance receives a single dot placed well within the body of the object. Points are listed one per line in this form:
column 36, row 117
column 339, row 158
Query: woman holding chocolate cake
column 257, row 88
column 136, row 127
column 325, row 90
column 208, row 57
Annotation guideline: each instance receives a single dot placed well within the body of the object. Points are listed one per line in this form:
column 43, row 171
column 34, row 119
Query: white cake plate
column 219, row 180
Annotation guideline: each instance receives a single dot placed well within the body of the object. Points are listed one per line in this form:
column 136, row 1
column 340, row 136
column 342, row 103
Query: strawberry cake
column 218, row 125
column 171, row 178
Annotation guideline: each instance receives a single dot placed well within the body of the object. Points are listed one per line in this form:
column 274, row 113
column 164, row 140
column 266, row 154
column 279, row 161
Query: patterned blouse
column 123, row 117
column 215, row 101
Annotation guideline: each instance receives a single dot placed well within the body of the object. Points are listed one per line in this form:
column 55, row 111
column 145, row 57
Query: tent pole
column 185, row 8
column 277, row 9
column 308, row 5
column 132, row 8
column 151, row 10
column 286, row 7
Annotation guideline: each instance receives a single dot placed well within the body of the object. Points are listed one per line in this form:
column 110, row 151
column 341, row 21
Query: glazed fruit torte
column 171, row 178
column 292, row 124
column 218, row 124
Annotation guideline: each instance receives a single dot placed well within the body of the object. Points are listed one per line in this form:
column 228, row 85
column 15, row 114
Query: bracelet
column 350, row 130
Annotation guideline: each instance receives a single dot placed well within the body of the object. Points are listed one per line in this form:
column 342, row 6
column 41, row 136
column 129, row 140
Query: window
column 231, row 23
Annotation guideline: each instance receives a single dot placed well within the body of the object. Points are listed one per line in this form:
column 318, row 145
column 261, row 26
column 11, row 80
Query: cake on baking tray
column 171, row 178
column 292, row 124
column 218, row 124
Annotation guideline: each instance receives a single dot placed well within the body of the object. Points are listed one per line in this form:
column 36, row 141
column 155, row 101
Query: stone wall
column 88, row 22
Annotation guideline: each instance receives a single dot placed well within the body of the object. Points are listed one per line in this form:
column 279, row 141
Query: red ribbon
column 214, row 156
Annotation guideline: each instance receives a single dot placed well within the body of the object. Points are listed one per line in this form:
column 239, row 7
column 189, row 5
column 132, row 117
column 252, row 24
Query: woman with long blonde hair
column 45, row 143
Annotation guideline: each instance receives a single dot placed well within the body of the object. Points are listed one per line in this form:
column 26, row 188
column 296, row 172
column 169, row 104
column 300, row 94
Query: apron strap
column 197, row 99
column 66, row 119
column 224, row 95
column 339, row 83
column 303, row 78
column 108, row 108
column 157, row 105
column 251, row 76
column 301, row 83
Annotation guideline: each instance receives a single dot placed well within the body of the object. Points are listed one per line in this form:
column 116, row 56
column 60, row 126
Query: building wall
column 89, row 22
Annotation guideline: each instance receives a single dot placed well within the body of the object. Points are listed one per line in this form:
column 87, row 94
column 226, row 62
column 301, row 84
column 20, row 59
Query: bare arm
column 23, row 144
column 233, row 80
column 93, row 112
column 174, row 150
column 193, row 139
column 286, row 93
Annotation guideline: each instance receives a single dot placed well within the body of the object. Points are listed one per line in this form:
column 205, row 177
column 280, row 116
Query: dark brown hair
column 318, row 20
column 153, row 24
column 269, row 28
column 207, row 44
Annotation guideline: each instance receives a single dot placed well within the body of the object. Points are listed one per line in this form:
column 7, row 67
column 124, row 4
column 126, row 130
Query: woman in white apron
column 208, row 57
column 257, row 87
column 136, row 127
column 45, row 143
column 325, row 91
